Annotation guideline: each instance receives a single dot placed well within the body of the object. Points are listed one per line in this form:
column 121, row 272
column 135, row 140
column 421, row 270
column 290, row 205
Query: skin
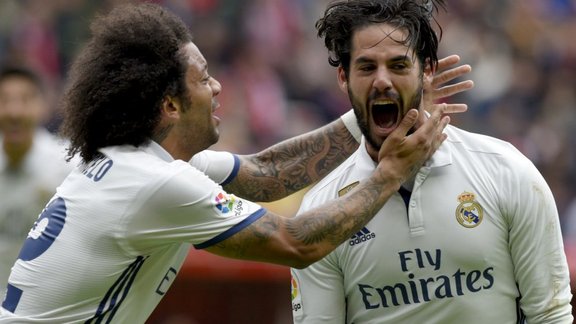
column 22, row 110
column 189, row 126
column 383, row 70
column 291, row 165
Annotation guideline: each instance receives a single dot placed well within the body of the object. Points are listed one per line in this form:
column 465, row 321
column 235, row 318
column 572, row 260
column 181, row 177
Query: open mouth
column 385, row 115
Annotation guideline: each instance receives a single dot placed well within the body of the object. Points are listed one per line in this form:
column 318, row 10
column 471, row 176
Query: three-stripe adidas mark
column 361, row 237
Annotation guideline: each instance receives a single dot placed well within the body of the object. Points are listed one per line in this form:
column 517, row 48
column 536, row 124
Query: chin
column 375, row 142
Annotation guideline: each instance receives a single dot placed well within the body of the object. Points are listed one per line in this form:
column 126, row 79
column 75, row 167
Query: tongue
column 384, row 118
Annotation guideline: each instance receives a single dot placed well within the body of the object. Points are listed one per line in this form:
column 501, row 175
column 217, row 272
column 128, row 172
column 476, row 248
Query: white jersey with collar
column 478, row 242
column 113, row 238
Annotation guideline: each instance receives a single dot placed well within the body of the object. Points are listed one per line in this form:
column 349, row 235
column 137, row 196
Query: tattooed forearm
column 338, row 220
column 307, row 238
column 258, row 234
column 293, row 164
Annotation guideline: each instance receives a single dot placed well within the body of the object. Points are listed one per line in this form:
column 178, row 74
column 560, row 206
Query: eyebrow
column 398, row 58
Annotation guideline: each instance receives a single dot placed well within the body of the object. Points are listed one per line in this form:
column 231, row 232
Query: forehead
column 379, row 39
column 196, row 61
column 17, row 83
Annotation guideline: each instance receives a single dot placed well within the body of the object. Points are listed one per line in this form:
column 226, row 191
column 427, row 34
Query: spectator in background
column 32, row 160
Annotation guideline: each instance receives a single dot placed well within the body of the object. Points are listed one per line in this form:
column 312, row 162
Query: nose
column 216, row 87
column 382, row 81
column 12, row 106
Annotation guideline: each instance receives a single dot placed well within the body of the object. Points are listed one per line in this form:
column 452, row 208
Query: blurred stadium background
column 277, row 83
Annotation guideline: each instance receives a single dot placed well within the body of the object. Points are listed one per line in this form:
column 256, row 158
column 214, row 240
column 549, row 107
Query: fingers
column 393, row 142
column 448, row 75
column 438, row 88
column 431, row 124
column 453, row 108
column 452, row 89
column 444, row 74
column 448, row 61
column 406, row 124
column 434, row 126
column 448, row 108
column 401, row 155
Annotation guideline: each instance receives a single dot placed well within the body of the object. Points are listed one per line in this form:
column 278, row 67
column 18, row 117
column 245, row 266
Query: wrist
column 351, row 123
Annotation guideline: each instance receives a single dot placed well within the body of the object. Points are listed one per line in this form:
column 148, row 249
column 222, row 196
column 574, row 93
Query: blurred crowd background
column 277, row 81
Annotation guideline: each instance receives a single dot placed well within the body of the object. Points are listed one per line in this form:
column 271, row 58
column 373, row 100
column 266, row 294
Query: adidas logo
column 362, row 236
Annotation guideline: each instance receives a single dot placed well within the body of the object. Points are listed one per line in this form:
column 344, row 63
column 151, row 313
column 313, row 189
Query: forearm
column 331, row 224
column 293, row 164
column 300, row 241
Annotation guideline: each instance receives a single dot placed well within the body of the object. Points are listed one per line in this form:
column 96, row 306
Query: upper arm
column 184, row 205
column 536, row 247
column 221, row 167
column 269, row 239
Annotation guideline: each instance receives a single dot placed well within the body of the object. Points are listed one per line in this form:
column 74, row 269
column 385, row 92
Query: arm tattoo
column 341, row 220
column 294, row 164
column 314, row 233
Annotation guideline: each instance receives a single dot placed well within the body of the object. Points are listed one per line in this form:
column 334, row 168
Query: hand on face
column 402, row 154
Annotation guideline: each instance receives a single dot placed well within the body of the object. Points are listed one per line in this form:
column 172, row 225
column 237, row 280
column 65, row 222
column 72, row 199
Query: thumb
column 407, row 123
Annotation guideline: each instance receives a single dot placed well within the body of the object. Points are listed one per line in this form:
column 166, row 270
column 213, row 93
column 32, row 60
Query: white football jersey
column 476, row 241
column 111, row 241
column 24, row 193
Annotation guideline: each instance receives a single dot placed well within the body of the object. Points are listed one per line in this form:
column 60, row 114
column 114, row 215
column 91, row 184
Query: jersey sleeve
column 187, row 206
column 221, row 167
column 318, row 293
column 536, row 246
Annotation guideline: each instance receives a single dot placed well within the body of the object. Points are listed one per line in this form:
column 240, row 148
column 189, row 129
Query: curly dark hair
column 342, row 18
column 120, row 78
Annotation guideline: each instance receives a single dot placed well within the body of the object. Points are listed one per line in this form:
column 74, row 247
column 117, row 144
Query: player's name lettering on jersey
column 98, row 168
column 421, row 290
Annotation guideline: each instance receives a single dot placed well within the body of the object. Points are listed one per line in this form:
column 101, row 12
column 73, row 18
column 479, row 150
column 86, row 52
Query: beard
column 361, row 112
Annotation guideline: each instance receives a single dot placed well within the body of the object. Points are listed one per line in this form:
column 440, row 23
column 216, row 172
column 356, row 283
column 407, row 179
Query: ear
column 342, row 79
column 171, row 107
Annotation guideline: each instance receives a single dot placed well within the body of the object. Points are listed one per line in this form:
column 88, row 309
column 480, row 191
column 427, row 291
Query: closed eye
column 366, row 68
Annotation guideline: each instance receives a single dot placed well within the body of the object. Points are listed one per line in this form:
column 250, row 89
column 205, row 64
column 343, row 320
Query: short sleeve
column 187, row 206
column 221, row 167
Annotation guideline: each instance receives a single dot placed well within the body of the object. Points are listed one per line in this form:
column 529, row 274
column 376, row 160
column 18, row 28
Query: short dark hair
column 342, row 18
column 12, row 71
column 121, row 76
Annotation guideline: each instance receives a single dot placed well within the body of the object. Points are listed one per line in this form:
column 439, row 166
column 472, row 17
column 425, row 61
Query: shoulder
column 478, row 143
column 131, row 161
column 492, row 157
column 484, row 147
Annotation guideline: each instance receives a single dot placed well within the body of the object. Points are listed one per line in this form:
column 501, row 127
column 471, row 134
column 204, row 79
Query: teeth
column 383, row 102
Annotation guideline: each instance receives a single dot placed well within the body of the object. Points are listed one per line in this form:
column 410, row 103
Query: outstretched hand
column 401, row 155
column 438, row 89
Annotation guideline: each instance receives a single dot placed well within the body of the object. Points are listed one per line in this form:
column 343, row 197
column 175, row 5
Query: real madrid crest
column 469, row 213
